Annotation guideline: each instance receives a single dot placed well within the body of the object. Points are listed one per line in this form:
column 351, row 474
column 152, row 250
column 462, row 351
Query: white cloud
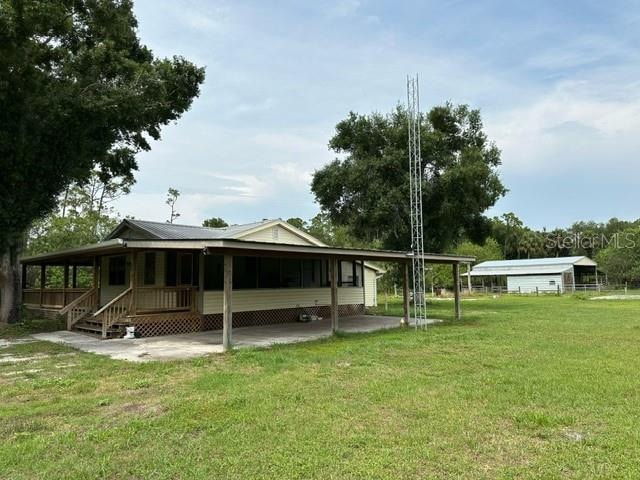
column 570, row 127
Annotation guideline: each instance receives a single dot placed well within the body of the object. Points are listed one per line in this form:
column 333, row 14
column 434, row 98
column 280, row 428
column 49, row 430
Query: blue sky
column 558, row 84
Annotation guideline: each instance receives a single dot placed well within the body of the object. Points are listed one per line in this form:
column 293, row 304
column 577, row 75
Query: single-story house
column 165, row 278
column 556, row 274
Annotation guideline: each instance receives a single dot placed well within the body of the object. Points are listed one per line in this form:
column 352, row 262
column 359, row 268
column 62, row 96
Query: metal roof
column 173, row 231
column 159, row 235
column 530, row 266
column 237, row 246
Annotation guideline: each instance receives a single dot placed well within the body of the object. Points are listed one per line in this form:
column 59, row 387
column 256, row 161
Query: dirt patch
column 4, row 343
column 9, row 358
column 616, row 297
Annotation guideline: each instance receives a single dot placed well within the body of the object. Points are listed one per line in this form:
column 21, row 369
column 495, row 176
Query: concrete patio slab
column 190, row 345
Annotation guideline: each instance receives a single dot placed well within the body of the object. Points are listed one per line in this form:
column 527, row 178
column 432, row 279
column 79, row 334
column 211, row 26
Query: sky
column 558, row 85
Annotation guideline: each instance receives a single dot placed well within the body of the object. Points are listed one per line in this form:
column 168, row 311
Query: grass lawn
column 531, row 387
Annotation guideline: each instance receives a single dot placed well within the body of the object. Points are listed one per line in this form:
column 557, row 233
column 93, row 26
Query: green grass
column 523, row 387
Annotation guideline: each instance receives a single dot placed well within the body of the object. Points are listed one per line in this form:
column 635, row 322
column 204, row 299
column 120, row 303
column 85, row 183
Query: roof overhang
column 77, row 254
column 240, row 247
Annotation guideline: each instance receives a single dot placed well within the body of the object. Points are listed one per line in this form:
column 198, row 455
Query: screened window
column 290, row 273
column 268, row 272
column 311, row 273
column 245, row 272
column 347, row 274
column 150, row 268
column 213, row 272
column 185, row 268
column 117, row 269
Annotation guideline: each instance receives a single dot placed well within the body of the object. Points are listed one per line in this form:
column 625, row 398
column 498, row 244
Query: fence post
column 558, row 290
column 537, row 291
column 625, row 287
column 519, row 290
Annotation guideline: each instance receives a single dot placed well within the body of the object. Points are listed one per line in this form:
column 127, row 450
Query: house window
column 150, row 268
column 117, row 269
column 552, row 283
column 348, row 275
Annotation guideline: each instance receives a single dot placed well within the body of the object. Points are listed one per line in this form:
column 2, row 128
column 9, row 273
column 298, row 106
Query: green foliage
column 84, row 215
column 215, row 222
column 367, row 189
column 324, row 229
column 490, row 250
column 621, row 260
column 172, row 198
column 298, row 223
column 78, row 91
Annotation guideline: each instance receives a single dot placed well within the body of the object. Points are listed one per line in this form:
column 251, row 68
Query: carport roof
column 530, row 266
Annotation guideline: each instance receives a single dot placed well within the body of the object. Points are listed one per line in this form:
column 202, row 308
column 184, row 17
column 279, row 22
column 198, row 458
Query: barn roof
column 530, row 266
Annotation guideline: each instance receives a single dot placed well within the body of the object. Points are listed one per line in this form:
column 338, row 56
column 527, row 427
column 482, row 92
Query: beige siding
column 109, row 292
column 160, row 267
column 370, row 287
column 276, row 234
column 270, row 299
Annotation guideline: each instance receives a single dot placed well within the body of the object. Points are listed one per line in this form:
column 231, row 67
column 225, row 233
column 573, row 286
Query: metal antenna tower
column 415, row 189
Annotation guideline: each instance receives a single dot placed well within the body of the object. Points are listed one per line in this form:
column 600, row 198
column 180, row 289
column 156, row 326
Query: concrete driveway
column 190, row 345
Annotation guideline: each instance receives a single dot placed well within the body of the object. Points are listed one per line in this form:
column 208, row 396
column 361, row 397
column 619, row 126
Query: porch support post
column 24, row 276
column 201, row 283
column 227, row 308
column 405, row 295
column 364, row 292
column 469, row 278
column 456, row 289
column 74, row 276
column 133, row 282
column 43, row 279
column 65, row 283
column 333, row 269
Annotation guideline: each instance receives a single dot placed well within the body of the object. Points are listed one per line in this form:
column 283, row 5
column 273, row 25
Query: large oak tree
column 367, row 187
column 78, row 92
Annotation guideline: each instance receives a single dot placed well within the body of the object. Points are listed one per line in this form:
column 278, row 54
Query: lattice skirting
column 186, row 322
column 172, row 323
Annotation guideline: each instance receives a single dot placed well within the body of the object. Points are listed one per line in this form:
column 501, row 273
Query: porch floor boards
column 190, row 345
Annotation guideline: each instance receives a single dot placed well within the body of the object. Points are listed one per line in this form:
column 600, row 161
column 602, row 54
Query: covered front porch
column 166, row 287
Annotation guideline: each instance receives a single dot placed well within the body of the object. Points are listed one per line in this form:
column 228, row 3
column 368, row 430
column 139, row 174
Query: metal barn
column 558, row 274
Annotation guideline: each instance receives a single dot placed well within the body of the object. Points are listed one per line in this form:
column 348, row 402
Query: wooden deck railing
column 114, row 311
column 52, row 297
column 80, row 307
column 164, row 299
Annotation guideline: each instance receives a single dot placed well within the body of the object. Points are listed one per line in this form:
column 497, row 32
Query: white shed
column 540, row 274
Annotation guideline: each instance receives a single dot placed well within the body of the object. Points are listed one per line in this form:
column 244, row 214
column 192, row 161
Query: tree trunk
column 10, row 285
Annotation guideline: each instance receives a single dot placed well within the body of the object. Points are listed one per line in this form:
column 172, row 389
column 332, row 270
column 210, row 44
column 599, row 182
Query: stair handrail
column 85, row 301
column 113, row 311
